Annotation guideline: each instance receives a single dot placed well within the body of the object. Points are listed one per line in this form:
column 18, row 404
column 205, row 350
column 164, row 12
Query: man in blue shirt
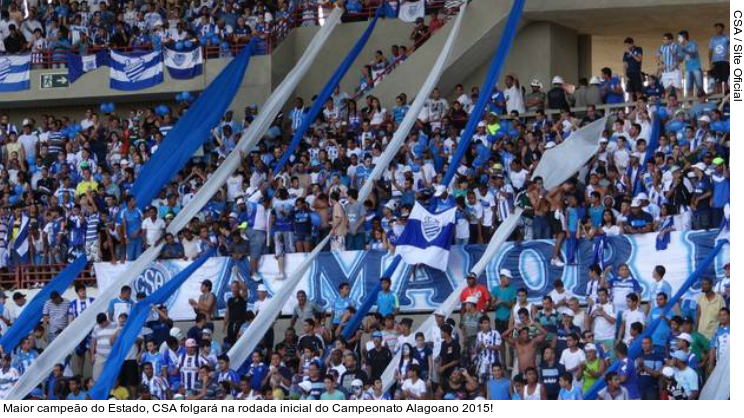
column 718, row 54
column 612, row 91
column 342, row 303
column 387, row 301
column 627, row 371
column 632, row 61
column 131, row 224
column 693, row 70
column 721, row 191
column 649, row 365
column 661, row 334
column 498, row 385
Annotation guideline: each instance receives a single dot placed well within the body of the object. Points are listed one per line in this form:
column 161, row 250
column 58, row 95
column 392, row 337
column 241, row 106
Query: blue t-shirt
column 691, row 56
column 662, row 331
column 340, row 305
column 570, row 395
column 133, row 218
column 387, row 302
column 596, row 213
column 611, row 96
column 719, row 44
column 256, row 374
column 499, row 389
column 650, row 361
column 79, row 397
column 627, row 369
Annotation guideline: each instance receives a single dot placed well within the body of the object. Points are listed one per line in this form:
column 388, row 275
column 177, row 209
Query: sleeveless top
column 593, row 367
column 535, row 396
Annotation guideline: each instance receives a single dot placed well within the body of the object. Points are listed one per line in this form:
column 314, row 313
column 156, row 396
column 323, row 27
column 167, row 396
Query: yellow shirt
column 84, row 186
column 709, row 314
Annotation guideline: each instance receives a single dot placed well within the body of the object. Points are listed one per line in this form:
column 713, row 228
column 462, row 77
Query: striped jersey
column 189, row 367
column 57, row 314
column 91, row 230
column 77, row 306
column 488, row 355
column 157, row 385
column 670, row 56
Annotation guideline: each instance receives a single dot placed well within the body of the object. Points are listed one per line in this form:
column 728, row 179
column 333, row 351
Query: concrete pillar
column 584, row 50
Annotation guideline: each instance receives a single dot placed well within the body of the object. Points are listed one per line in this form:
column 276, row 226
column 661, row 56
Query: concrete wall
column 92, row 89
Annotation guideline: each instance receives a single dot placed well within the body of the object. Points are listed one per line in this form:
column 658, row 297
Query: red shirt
column 480, row 292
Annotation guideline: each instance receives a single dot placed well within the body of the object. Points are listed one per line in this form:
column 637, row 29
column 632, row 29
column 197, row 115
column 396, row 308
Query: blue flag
column 183, row 65
column 427, row 237
column 78, row 65
column 136, row 71
column 15, row 73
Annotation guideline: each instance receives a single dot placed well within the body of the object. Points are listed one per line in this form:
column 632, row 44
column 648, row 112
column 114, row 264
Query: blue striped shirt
column 670, row 56
column 77, row 306
column 91, row 231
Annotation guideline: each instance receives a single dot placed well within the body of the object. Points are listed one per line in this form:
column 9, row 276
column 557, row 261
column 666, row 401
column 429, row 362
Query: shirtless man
column 557, row 219
column 526, row 345
column 540, row 223
column 206, row 302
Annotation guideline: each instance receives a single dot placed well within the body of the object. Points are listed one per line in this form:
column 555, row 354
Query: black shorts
column 555, row 225
column 721, row 71
column 130, row 375
column 634, row 83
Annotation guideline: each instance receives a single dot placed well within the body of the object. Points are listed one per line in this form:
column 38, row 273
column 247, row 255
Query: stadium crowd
column 72, row 180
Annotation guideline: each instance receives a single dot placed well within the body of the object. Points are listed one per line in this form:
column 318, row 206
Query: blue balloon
column 675, row 125
column 103, row 108
column 203, row 40
column 225, row 45
column 315, row 219
column 513, row 132
column 214, row 38
column 662, row 113
column 478, row 163
column 483, row 151
column 415, row 167
column 179, row 46
column 188, row 44
column 179, row 97
column 419, row 149
column 186, row 95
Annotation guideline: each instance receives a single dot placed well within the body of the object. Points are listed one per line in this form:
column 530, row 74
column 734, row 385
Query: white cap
column 691, row 175
column 590, row 346
column 603, row 140
column 557, row 80
column 472, row 299
column 357, row 383
column 636, row 203
column 637, row 155
column 549, row 145
column 240, row 201
column 306, row 386
column 439, row 190
column 700, row 166
column 685, row 336
column 261, row 288
column 233, row 215
column 594, row 80
column 176, row 333
column 505, row 272
column 124, row 162
column 704, row 118
column 481, row 124
column 642, row 196
column 535, row 83
column 26, row 122
column 711, row 139
column 391, row 205
column 667, row 372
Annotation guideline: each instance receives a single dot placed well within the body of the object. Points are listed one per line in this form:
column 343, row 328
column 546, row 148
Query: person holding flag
column 19, row 224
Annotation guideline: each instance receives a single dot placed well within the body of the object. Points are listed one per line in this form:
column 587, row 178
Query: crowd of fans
column 72, row 180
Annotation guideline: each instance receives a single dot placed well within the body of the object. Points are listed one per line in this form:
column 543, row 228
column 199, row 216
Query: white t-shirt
column 571, row 360
column 487, row 201
column 153, row 230
column 687, row 379
column 418, row 389
column 603, row 330
column 558, row 297
column 234, row 187
column 630, row 317
column 514, row 99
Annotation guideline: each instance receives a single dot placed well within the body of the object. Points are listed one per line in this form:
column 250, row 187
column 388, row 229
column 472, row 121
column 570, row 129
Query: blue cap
column 377, row 334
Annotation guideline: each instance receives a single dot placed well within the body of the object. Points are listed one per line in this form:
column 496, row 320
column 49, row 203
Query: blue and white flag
column 15, row 73
column 78, row 65
column 427, row 237
column 20, row 241
column 409, row 11
column 183, row 65
column 136, row 71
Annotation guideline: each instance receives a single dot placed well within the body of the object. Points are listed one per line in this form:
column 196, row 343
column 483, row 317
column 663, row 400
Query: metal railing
column 30, row 276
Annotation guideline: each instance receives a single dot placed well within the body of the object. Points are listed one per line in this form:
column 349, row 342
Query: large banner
column 528, row 261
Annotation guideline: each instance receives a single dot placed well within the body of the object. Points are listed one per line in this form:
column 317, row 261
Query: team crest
column 431, row 228
column 134, row 68
column 5, row 68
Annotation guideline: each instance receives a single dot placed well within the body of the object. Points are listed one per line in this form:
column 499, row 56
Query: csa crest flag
column 78, row 65
column 15, row 73
column 183, row 65
column 427, row 237
column 136, row 71
column 409, row 11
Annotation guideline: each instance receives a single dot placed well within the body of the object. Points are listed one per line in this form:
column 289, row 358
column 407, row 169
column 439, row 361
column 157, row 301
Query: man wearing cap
column 536, row 99
column 503, row 298
column 54, row 315
column 378, row 358
column 701, row 197
column 476, row 290
column 685, row 375
column 639, row 222
column 442, row 199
